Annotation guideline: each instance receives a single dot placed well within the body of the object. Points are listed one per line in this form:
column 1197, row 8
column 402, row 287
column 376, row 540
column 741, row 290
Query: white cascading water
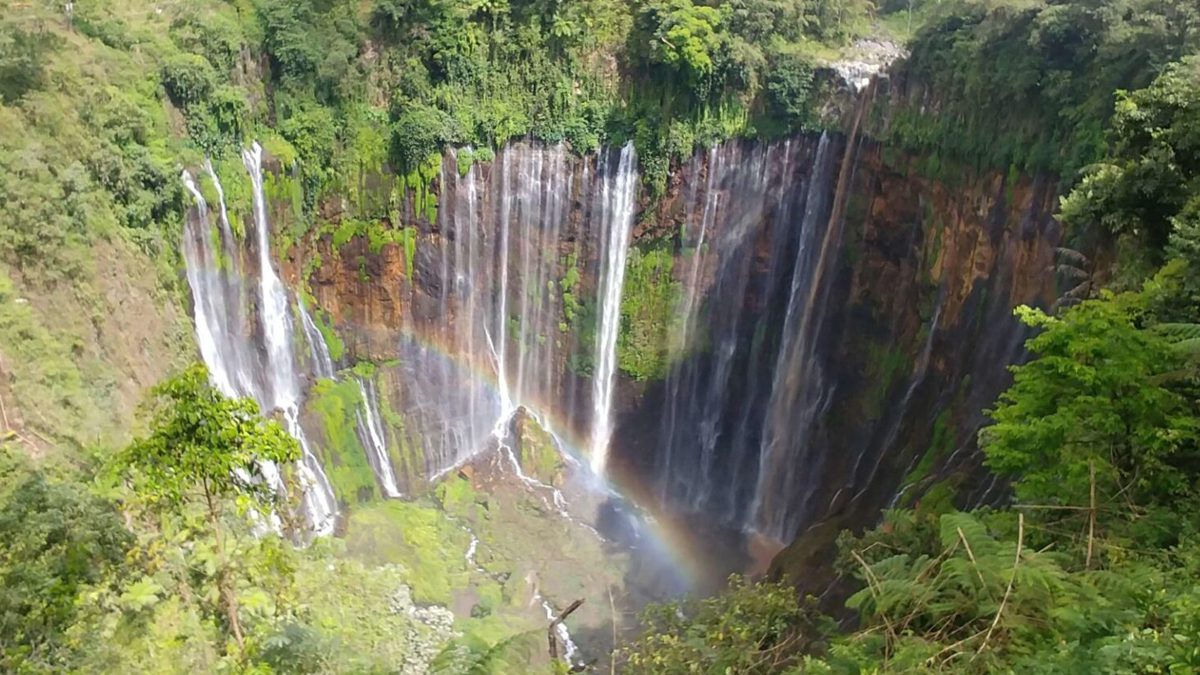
column 518, row 241
column 322, row 361
column 619, row 198
column 235, row 362
column 369, row 424
column 280, row 367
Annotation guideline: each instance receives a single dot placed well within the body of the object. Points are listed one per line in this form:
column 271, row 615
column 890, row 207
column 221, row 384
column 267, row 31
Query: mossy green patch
column 419, row 185
column 941, row 444
column 408, row 239
column 538, row 454
column 648, row 300
column 416, row 535
column 884, row 364
column 345, row 461
column 569, row 285
column 455, row 494
column 333, row 342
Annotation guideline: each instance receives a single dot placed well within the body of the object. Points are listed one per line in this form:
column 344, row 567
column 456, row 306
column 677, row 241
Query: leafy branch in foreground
column 202, row 449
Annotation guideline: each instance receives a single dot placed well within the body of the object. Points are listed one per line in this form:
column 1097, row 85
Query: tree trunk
column 224, row 582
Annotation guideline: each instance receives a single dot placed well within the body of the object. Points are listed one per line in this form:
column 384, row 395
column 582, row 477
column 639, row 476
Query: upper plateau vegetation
column 136, row 540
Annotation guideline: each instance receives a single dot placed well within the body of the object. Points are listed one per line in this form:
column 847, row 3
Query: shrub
column 420, row 131
column 188, row 78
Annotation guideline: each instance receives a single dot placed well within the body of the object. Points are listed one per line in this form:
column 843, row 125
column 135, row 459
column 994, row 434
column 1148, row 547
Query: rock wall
column 905, row 334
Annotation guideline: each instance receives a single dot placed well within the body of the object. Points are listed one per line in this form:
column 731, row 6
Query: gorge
column 648, row 336
column 728, row 358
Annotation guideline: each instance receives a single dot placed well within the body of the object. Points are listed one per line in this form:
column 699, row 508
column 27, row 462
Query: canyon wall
column 805, row 331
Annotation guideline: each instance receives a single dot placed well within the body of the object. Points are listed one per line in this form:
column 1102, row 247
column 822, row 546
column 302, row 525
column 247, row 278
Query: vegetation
column 338, row 404
column 648, row 301
column 205, row 448
column 1030, row 84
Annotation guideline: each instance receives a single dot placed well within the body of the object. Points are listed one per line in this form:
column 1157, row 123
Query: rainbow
column 663, row 537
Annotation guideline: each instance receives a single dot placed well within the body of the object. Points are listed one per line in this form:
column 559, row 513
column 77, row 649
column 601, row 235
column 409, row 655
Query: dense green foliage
column 1149, row 189
column 1030, row 84
column 648, row 302
column 166, row 562
column 750, row 628
column 193, row 579
column 55, row 540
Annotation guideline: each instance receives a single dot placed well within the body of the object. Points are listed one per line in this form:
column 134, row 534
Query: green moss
column 408, row 239
column 404, row 446
column 278, row 147
column 538, row 454
column 418, row 536
column 239, row 192
column 941, row 444
column 884, row 364
column 419, row 186
column 337, row 348
column 285, row 199
column 569, row 285
column 938, row 499
column 344, row 458
column 455, row 494
column 649, row 297
column 491, row 598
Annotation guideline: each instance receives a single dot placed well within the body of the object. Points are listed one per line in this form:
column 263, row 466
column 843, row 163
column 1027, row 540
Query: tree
column 55, row 539
column 203, row 449
column 22, row 60
column 1150, row 186
column 685, row 37
column 1092, row 418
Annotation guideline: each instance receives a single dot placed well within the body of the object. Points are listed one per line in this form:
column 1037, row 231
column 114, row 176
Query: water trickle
column 322, row 361
column 369, row 425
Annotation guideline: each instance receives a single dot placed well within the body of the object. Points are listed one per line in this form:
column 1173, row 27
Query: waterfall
column 739, row 204
column 520, row 244
column 797, row 391
column 322, row 362
column 618, row 196
column 369, row 424
column 238, row 364
column 280, row 367
column 515, row 303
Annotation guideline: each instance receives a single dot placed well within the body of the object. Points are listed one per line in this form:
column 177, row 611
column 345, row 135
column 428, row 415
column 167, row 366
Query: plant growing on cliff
column 649, row 296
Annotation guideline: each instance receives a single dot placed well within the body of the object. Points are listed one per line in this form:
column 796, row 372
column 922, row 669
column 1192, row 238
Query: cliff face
column 809, row 331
